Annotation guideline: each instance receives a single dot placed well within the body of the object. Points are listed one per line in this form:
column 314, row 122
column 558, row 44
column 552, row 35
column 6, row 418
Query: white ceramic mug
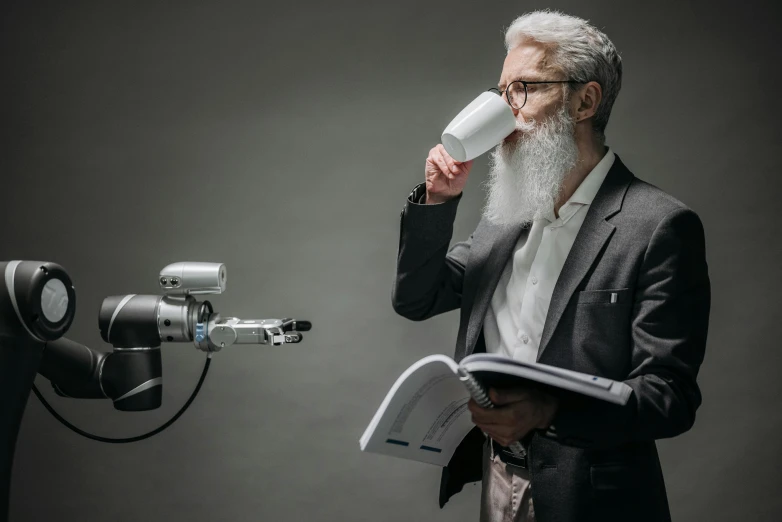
column 483, row 124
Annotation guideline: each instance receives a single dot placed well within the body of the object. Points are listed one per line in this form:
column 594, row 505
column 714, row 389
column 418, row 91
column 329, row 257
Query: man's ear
column 588, row 100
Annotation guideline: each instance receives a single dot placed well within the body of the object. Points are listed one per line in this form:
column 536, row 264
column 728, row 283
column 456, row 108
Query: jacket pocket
column 612, row 477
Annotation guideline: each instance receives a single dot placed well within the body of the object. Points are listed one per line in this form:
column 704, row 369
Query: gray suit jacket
column 601, row 461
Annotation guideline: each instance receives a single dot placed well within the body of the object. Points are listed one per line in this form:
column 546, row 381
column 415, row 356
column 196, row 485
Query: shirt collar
column 585, row 192
column 588, row 188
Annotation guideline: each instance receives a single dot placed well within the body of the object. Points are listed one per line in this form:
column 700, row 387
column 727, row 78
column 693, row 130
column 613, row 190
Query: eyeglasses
column 516, row 91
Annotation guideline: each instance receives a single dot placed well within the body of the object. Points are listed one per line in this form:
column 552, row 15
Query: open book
column 424, row 416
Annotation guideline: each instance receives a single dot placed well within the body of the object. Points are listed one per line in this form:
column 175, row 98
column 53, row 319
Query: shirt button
column 534, row 280
column 525, row 338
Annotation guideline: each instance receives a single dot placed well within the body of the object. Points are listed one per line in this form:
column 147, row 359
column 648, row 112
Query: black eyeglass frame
column 526, row 94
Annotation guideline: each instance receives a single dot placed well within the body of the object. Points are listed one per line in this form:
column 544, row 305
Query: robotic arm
column 135, row 325
column 37, row 306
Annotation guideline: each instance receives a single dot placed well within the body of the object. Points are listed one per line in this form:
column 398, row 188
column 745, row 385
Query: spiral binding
column 480, row 396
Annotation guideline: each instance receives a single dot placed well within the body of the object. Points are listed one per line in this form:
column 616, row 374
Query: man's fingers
column 455, row 169
column 446, row 157
column 508, row 396
column 453, row 165
column 491, row 430
column 477, row 410
column 502, row 434
column 504, row 415
column 431, row 159
column 444, row 169
column 491, row 433
column 506, row 434
column 483, row 416
column 464, row 168
column 487, row 417
column 449, row 167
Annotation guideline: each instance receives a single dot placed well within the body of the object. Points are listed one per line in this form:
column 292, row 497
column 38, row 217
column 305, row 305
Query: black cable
column 203, row 316
column 138, row 437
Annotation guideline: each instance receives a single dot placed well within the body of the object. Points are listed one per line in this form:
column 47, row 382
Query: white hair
column 581, row 52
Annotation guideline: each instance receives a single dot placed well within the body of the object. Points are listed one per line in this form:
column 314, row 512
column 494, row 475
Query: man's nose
column 514, row 109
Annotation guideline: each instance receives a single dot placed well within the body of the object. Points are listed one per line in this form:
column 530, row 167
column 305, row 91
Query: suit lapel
column 590, row 240
column 489, row 271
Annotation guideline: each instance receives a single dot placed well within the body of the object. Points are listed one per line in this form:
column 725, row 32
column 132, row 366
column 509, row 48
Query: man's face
column 528, row 169
column 529, row 61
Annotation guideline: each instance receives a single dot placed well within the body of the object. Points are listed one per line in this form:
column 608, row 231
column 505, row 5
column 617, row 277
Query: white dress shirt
column 514, row 321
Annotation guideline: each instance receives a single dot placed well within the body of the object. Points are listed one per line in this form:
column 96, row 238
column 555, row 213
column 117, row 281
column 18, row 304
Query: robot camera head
column 193, row 278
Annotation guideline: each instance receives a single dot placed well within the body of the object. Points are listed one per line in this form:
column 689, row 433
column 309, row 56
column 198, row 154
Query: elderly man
column 576, row 263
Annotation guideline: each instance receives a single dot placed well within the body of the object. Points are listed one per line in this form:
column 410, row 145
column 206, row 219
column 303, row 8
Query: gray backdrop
column 282, row 138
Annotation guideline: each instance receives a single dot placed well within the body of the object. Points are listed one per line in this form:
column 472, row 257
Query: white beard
column 526, row 177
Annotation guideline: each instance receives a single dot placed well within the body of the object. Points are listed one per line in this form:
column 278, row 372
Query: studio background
column 282, row 138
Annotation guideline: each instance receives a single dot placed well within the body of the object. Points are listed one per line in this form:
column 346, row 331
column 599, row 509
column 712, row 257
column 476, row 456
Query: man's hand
column 517, row 411
column 445, row 177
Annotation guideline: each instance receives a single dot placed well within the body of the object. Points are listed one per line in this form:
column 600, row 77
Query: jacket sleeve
column 429, row 275
column 669, row 328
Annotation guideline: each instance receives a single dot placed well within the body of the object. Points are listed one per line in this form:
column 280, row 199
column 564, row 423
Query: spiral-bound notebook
column 424, row 416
